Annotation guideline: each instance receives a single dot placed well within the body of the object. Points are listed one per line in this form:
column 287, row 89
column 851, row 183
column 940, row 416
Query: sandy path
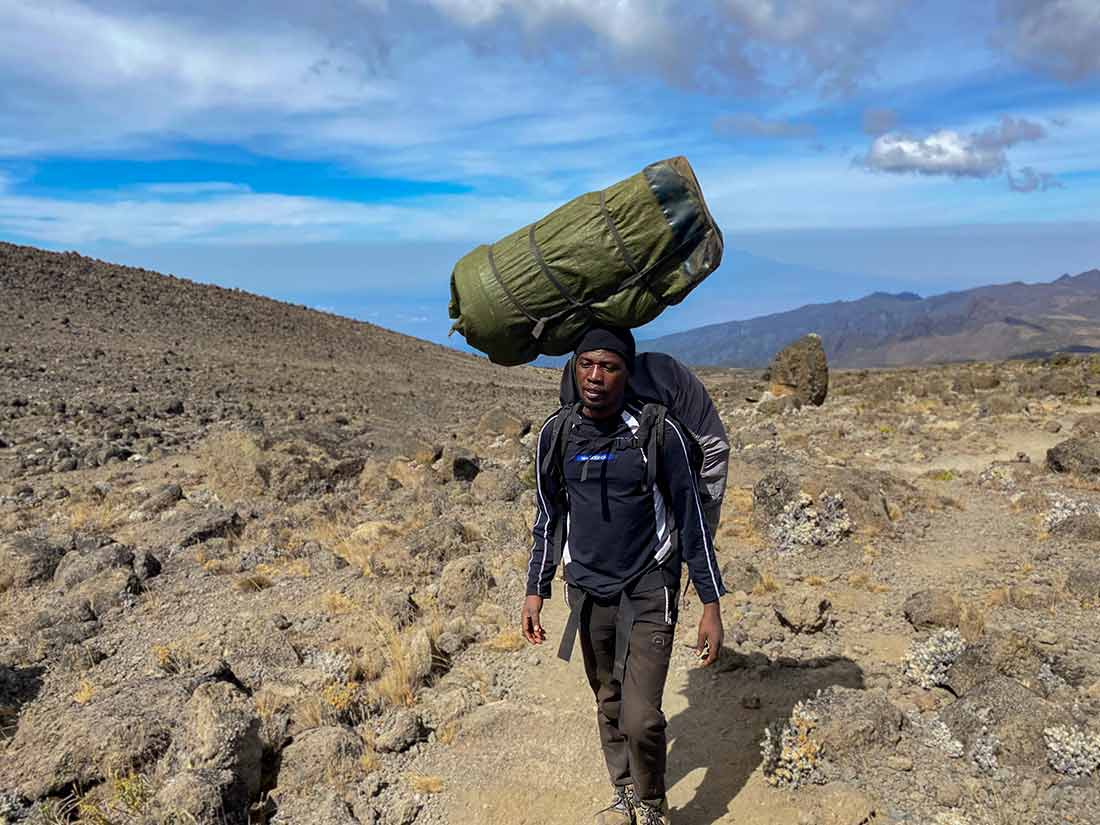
column 535, row 758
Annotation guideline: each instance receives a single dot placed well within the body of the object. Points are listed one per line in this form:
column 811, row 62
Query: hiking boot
column 647, row 813
column 621, row 809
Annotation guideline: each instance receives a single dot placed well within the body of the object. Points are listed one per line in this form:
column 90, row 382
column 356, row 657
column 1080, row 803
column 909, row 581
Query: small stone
column 750, row 702
column 949, row 795
column 899, row 763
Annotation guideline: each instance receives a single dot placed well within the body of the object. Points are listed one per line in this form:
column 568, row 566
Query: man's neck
column 602, row 415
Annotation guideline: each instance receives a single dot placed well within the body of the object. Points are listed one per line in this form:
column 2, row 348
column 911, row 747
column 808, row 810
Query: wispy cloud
column 756, row 126
column 1058, row 36
column 1027, row 179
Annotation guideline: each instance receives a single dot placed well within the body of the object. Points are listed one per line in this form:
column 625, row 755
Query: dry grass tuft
column 507, row 641
column 767, row 584
column 338, row 604
column 447, row 734
column 170, row 659
column 370, row 760
column 862, row 581
column 253, row 583
column 425, row 783
column 84, row 692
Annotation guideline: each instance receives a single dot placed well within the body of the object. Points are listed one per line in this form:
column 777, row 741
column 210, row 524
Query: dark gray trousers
column 629, row 716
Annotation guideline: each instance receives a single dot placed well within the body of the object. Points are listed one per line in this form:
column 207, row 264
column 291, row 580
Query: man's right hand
column 532, row 628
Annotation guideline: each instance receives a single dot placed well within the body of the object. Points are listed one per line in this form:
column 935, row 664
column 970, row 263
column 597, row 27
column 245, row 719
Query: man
column 622, row 566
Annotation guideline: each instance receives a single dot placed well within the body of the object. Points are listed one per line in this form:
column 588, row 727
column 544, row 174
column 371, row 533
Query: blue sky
column 344, row 153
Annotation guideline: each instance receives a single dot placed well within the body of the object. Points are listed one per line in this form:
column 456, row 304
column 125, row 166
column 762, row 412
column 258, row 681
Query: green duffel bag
column 619, row 256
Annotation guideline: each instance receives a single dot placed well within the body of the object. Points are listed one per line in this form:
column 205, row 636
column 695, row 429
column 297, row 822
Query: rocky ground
column 263, row 564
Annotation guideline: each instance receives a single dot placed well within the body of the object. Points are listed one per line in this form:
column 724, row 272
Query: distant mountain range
column 1002, row 321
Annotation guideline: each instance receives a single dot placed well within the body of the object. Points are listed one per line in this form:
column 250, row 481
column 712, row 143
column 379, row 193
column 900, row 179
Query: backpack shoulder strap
column 651, row 438
column 554, row 457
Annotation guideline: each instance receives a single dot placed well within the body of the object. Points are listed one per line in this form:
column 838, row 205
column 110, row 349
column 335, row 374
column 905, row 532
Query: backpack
column 649, row 438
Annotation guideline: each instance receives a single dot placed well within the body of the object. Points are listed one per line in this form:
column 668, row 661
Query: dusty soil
column 259, row 563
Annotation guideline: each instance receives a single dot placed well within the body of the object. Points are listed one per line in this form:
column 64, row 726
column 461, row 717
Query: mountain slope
column 78, row 329
column 986, row 323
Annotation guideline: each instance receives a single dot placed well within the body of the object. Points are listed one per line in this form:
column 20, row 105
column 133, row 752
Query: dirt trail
column 535, row 757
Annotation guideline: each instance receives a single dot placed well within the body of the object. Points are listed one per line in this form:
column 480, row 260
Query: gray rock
column 499, row 421
column 1083, row 582
column 191, row 796
column 801, row 369
column 803, row 611
column 320, row 756
column 220, row 736
column 1079, row 456
column 997, row 653
column 740, row 575
column 320, row 806
column 465, row 582
column 496, row 485
column 1002, row 722
column 1084, row 526
column 65, row 744
column 932, row 608
column 402, row 732
column 29, row 558
column 774, row 491
column 187, row 529
column 81, row 563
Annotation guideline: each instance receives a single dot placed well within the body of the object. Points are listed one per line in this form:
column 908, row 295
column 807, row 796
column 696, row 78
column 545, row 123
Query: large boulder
column 319, row 757
column 1002, row 720
column 29, row 558
column 219, row 740
column 931, row 609
column 800, row 369
column 122, row 728
column 1079, row 456
column 464, row 582
column 499, row 421
column 998, row 653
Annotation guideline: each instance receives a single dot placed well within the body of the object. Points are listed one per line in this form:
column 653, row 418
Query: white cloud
column 1057, row 36
column 948, row 152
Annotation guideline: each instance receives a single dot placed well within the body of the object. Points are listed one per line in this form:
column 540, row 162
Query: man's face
column 601, row 378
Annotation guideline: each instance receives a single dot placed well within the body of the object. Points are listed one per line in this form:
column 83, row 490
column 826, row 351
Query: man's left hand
column 710, row 634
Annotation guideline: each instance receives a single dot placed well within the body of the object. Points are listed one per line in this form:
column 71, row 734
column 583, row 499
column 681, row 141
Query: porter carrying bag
column 618, row 257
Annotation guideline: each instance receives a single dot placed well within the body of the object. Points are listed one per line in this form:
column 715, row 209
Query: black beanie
column 613, row 339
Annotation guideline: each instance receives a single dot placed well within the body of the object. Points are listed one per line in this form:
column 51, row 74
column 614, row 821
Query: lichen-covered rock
column 997, row 653
column 801, row 369
column 1079, row 456
column 1002, row 722
column 927, row 663
column 1072, row 751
